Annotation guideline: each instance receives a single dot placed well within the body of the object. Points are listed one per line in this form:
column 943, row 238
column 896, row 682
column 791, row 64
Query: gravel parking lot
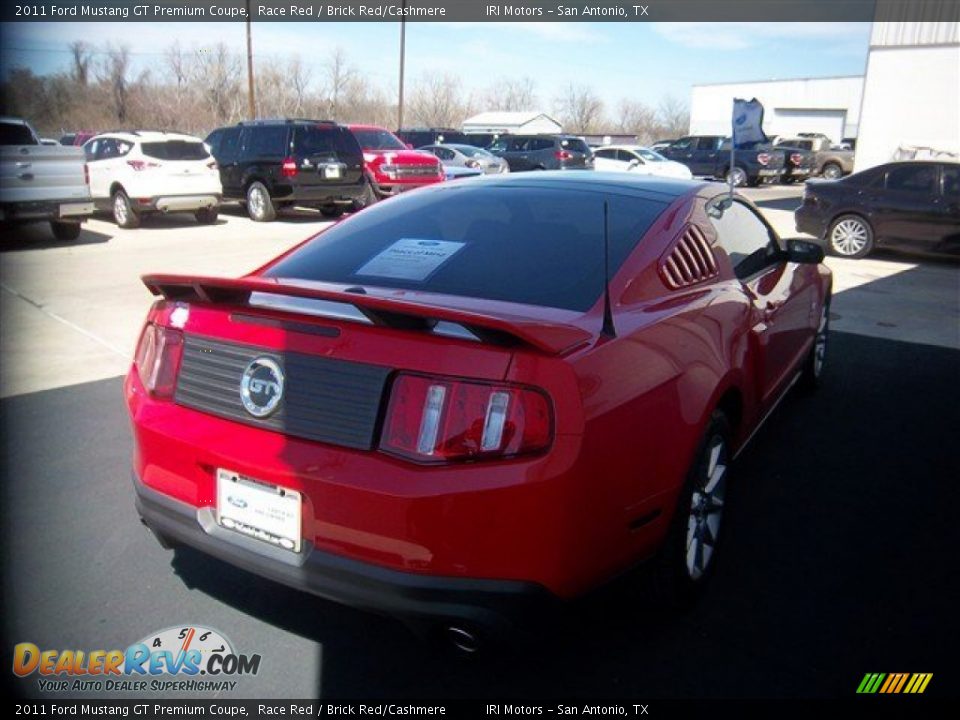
column 838, row 562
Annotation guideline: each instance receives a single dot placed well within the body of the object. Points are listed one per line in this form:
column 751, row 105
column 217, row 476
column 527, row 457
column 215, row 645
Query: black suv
column 543, row 152
column 271, row 164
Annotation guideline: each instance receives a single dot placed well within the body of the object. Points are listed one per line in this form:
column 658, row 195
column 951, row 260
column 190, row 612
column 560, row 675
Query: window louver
column 690, row 261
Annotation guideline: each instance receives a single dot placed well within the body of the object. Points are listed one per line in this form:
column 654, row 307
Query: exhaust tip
column 464, row 640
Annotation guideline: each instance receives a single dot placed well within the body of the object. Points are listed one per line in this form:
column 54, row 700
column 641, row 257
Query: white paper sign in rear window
column 410, row 259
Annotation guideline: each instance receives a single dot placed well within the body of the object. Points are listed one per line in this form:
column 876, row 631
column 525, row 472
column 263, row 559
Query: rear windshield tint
column 575, row 145
column 16, row 134
column 526, row 245
column 175, row 150
column 324, row 140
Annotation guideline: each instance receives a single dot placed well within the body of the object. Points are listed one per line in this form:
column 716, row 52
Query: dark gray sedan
column 468, row 156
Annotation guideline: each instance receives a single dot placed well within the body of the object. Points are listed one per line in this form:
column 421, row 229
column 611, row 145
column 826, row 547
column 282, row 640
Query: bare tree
column 674, row 117
column 298, row 78
column 339, row 75
column 636, row 118
column 579, row 108
column 511, row 94
column 216, row 74
column 82, row 57
column 113, row 76
column 436, row 101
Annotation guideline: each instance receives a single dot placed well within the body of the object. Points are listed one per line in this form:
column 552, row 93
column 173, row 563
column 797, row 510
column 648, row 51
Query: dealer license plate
column 331, row 171
column 260, row 510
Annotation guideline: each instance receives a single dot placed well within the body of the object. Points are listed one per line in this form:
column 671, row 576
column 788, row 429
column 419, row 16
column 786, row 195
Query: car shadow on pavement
column 287, row 215
column 39, row 237
column 837, row 561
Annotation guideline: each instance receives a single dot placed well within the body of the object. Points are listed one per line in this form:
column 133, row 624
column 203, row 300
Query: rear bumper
column 492, row 606
column 67, row 210
column 177, row 203
column 810, row 222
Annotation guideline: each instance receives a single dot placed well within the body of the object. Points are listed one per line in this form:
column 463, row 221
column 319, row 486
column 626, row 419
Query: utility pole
column 251, row 98
column 403, row 52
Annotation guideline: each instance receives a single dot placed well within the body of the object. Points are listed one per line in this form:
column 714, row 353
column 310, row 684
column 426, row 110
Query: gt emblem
column 261, row 387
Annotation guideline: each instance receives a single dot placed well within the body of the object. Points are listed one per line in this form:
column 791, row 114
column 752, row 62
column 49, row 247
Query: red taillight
column 140, row 165
column 435, row 419
column 796, row 158
column 763, row 158
column 86, row 174
column 289, row 167
column 158, row 359
column 563, row 154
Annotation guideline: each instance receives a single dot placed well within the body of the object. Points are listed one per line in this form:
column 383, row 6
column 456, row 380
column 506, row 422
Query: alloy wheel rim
column 820, row 349
column 120, row 209
column 832, row 172
column 737, row 176
column 849, row 237
column 256, row 201
column 706, row 510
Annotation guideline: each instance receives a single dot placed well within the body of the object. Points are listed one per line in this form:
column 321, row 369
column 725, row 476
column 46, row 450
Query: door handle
column 25, row 176
column 23, row 165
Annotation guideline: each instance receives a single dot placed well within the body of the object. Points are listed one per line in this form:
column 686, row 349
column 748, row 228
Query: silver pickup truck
column 42, row 183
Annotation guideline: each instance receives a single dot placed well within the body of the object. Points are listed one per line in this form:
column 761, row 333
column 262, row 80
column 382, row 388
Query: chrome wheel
column 121, row 213
column 849, row 237
column 737, row 177
column 706, row 509
column 257, row 201
column 832, row 172
column 820, row 342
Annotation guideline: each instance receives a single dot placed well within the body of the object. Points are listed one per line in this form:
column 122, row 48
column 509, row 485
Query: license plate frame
column 260, row 510
column 332, row 172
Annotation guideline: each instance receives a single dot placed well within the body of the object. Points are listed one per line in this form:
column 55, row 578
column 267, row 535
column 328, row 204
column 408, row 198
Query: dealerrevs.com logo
column 187, row 658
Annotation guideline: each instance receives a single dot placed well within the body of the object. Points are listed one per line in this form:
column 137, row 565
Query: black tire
column 260, row 205
column 832, row 171
column 675, row 581
column 207, row 216
column 810, row 377
column 850, row 236
column 65, row 230
column 368, row 198
column 123, row 213
column 331, row 211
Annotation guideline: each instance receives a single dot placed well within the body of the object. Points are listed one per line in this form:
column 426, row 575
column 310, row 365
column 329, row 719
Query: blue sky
column 639, row 61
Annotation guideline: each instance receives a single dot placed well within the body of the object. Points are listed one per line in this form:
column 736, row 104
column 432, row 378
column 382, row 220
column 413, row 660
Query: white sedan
column 638, row 159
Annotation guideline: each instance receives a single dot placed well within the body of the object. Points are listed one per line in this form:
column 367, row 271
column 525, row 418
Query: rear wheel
column 736, row 176
column 688, row 556
column 65, row 230
column 331, row 211
column 832, row 171
column 123, row 213
column 206, row 216
column 259, row 205
column 368, row 198
column 850, row 236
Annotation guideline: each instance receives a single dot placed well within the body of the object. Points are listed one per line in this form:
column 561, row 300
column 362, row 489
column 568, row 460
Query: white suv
column 134, row 173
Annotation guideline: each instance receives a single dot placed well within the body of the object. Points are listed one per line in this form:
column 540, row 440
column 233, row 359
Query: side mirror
column 409, row 146
column 634, row 163
column 804, row 252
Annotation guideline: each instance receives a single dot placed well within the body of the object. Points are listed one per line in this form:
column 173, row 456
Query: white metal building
column 501, row 123
column 911, row 97
column 829, row 105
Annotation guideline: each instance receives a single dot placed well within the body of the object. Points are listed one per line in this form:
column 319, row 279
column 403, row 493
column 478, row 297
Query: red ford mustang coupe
column 478, row 395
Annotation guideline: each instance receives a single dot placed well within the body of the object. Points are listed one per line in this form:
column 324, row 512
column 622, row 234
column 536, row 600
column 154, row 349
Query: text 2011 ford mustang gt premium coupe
column 478, row 395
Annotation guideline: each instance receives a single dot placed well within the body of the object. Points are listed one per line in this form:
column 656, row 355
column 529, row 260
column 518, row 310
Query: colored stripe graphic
column 894, row 683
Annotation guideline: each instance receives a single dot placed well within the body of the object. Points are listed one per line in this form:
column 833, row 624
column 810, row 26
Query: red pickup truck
column 391, row 165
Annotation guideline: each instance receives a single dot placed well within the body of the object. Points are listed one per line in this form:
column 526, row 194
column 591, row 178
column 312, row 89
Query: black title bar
column 482, row 11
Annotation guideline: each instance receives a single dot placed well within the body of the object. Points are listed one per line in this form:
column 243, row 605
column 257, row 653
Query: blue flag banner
column 747, row 122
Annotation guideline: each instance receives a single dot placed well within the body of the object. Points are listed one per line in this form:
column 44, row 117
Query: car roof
column 136, row 136
column 362, row 126
column 624, row 147
column 648, row 186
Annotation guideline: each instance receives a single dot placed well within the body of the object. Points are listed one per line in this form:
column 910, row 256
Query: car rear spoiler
column 549, row 337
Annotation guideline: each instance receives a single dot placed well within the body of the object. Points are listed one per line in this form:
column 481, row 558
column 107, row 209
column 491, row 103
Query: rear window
column 515, row 244
column 575, row 145
column 315, row 140
column 175, row 150
column 16, row 134
column 378, row 140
